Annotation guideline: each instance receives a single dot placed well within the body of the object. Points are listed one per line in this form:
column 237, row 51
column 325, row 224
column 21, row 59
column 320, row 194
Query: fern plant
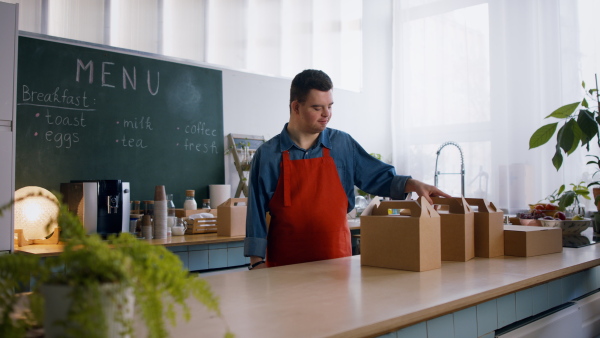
column 157, row 277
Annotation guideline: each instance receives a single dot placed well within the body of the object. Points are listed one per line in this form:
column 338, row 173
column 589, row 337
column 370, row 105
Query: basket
column 201, row 226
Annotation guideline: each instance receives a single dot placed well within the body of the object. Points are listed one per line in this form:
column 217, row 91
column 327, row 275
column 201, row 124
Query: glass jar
column 170, row 205
column 148, row 208
column 190, row 202
column 206, row 203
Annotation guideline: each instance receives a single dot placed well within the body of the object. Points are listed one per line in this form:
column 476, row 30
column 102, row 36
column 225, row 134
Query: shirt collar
column 286, row 141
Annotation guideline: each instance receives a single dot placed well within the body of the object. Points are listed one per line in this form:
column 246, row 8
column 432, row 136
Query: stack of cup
column 160, row 212
column 147, row 227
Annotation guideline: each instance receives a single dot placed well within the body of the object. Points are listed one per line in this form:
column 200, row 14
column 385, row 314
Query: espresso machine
column 102, row 205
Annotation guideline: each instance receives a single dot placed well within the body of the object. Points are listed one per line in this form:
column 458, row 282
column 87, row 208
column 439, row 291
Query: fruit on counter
column 535, row 214
column 577, row 218
column 540, row 207
column 548, row 218
column 551, row 206
column 560, row 215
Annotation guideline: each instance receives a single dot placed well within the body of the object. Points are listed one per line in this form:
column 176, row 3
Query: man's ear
column 294, row 107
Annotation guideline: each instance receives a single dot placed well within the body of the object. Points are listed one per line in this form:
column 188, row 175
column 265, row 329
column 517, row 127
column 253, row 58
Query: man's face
column 314, row 113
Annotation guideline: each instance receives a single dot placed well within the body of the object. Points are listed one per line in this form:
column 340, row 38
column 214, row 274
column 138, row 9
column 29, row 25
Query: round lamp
column 35, row 209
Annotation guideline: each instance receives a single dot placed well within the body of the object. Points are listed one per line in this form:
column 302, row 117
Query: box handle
column 457, row 205
column 422, row 208
column 482, row 204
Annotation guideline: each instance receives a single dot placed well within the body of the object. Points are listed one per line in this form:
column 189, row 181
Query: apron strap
column 325, row 152
column 287, row 172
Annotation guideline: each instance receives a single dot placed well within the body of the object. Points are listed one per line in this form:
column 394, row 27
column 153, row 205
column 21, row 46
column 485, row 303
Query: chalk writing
column 128, row 76
column 201, row 147
column 58, row 96
column 200, row 129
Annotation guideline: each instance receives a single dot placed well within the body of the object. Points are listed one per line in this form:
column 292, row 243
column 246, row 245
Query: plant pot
column 596, row 192
column 116, row 303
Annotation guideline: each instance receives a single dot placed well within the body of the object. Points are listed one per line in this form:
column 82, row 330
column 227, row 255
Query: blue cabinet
column 211, row 256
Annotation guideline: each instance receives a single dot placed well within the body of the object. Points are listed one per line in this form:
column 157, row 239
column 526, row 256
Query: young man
column 305, row 178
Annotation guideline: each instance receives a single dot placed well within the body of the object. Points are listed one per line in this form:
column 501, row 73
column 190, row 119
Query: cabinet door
column 8, row 39
column 6, row 188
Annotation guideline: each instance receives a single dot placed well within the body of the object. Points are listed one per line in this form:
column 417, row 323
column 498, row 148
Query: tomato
column 540, row 207
column 551, row 206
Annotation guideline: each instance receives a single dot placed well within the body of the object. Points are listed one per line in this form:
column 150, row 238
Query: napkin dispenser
column 102, row 206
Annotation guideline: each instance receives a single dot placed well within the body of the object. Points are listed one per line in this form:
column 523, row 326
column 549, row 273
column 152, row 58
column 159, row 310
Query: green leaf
column 566, row 199
column 557, row 161
column 564, row 111
column 588, row 126
column 561, row 189
column 583, row 84
column 593, row 184
column 542, row 135
column 584, row 103
column 592, row 91
column 565, row 137
column 577, row 134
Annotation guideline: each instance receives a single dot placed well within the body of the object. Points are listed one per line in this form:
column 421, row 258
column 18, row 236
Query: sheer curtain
column 270, row 37
column 484, row 74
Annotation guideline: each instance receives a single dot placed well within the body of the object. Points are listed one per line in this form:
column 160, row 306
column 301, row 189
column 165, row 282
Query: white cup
column 178, row 231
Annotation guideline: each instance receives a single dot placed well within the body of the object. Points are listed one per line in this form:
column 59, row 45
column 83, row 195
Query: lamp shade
column 35, row 209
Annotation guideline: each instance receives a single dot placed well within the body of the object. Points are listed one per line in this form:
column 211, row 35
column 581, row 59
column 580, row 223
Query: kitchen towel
column 219, row 193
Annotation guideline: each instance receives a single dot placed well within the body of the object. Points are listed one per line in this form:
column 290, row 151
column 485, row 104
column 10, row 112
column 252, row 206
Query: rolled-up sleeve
column 262, row 183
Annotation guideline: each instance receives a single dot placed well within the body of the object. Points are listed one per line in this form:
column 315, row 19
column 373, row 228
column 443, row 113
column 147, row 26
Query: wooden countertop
column 212, row 238
column 341, row 298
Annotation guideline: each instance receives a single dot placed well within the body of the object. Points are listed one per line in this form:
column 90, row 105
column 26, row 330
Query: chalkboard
column 91, row 113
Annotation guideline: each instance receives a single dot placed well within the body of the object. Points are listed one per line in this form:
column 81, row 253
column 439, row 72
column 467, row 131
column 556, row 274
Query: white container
column 190, row 202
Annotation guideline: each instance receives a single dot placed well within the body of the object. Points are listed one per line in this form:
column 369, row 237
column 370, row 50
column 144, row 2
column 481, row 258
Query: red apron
column 308, row 213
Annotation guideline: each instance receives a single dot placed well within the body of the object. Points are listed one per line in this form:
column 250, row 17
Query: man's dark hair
column 307, row 80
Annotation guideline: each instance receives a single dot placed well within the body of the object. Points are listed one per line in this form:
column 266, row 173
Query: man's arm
column 255, row 243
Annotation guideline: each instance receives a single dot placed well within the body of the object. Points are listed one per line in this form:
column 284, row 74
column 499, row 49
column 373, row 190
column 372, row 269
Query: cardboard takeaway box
column 231, row 221
column 457, row 229
column 526, row 241
column 404, row 242
column 489, row 228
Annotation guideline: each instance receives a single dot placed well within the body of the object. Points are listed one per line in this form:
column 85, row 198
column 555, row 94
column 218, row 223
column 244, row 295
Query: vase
column 116, row 302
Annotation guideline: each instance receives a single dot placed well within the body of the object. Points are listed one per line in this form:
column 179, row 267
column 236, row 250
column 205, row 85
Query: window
column 271, row 37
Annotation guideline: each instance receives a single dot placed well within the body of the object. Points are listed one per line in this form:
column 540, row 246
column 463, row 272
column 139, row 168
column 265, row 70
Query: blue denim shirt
column 355, row 167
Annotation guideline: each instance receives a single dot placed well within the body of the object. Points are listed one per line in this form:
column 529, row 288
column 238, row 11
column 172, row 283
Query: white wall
column 258, row 105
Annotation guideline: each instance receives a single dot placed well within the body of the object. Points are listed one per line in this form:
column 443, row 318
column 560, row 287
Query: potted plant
column 96, row 273
column 595, row 185
column 567, row 198
column 580, row 126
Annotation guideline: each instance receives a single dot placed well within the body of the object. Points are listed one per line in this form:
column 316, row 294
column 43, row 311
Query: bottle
column 190, row 202
column 170, row 205
column 136, row 208
column 206, row 203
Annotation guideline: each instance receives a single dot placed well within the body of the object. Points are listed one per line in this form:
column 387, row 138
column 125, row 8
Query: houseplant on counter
column 580, row 125
column 97, row 272
column 579, row 128
column 567, row 198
